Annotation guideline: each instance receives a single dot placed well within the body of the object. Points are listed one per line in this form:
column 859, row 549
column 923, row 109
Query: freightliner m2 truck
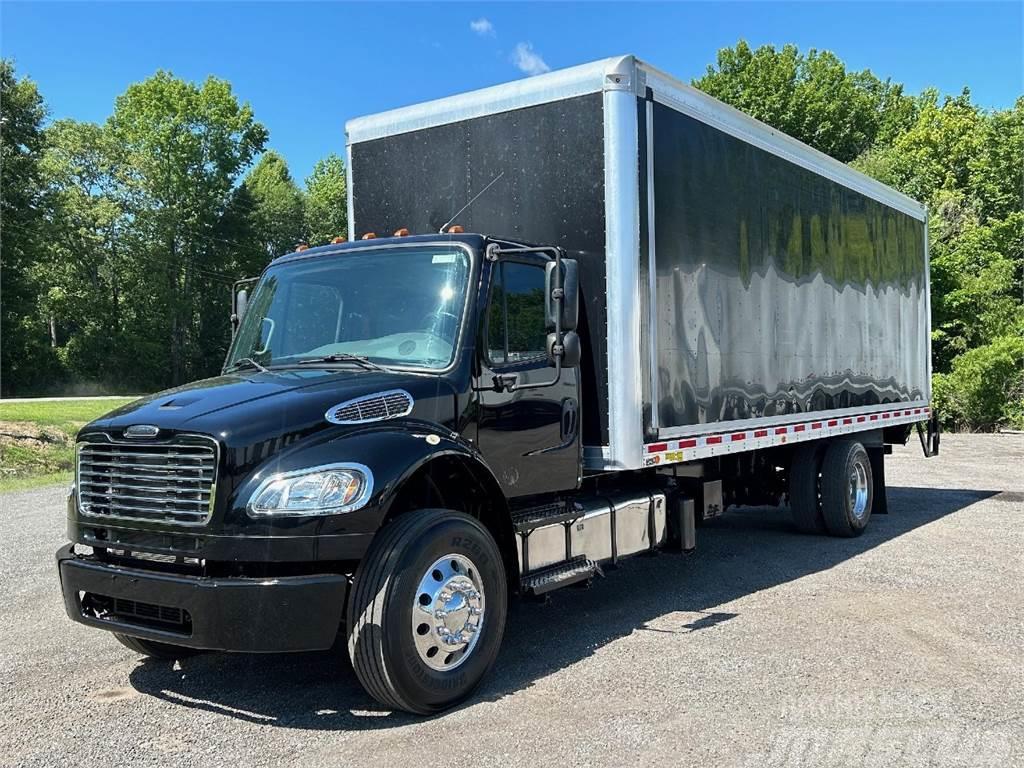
column 578, row 315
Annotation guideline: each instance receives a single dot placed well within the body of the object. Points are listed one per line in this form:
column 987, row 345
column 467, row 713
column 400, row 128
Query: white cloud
column 528, row 60
column 482, row 27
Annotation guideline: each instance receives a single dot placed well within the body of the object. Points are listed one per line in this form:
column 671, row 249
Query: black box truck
column 578, row 314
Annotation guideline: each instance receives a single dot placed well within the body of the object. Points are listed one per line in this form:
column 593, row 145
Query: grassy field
column 37, row 438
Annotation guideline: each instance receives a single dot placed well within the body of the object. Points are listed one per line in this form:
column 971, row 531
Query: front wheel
column 427, row 611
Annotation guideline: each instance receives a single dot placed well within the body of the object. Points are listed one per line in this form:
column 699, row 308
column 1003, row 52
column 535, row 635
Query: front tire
column 427, row 611
column 847, row 489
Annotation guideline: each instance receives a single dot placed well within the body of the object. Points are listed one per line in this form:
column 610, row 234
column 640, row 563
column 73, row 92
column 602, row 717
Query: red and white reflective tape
column 704, row 446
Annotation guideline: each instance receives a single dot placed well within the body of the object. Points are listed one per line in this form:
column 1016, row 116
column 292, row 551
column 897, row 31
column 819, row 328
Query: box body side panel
column 777, row 290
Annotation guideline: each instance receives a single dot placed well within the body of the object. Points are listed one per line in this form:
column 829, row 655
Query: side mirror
column 572, row 351
column 570, row 295
column 239, row 302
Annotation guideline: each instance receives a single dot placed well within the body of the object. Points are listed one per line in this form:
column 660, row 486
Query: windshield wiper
column 344, row 357
column 246, row 362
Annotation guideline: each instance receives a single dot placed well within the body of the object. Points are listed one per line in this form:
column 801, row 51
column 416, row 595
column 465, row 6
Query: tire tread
column 369, row 602
column 804, row 501
column 834, row 488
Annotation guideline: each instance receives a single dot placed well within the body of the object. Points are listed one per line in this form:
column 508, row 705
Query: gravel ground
column 764, row 648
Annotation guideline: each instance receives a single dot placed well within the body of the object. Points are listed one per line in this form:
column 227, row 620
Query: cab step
column 560, row 575
column 530, row 519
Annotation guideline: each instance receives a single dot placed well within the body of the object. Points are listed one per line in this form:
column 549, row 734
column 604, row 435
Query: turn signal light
column 403, row 232
column 369, row 236
column 337, row 240
column 455, row 229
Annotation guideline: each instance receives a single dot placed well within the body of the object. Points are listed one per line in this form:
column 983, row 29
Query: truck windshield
column 392, row 306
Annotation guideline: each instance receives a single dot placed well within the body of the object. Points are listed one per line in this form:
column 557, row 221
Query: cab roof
column 472, row 240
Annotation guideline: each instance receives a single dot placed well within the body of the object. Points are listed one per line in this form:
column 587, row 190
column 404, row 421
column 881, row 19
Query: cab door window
column 515, row 323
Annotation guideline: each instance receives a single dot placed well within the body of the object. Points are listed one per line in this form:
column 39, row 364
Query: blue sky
column 306, row 68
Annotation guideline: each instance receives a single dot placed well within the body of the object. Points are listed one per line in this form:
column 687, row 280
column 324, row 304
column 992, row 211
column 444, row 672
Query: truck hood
column 248, row 407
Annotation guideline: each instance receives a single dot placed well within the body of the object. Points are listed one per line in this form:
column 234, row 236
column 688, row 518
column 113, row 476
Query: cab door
column 529, row 437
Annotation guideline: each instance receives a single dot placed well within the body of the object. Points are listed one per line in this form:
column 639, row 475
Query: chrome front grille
column 155, row 482
column 377, row 407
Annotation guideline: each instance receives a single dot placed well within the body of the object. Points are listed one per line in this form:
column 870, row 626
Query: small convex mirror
column 571, row 349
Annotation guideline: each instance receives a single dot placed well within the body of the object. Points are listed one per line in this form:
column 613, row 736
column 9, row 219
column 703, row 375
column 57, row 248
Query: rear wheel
column 154, row 649
column 847, row 489
column 805, row 487
column 427, row 611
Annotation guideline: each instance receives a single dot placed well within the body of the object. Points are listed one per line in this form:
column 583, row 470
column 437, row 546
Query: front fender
column 393, row 452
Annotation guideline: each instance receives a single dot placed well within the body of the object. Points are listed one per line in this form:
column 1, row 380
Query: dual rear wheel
column 831, row 488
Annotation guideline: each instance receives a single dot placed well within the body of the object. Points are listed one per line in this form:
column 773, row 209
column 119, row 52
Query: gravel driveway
column 763, row 648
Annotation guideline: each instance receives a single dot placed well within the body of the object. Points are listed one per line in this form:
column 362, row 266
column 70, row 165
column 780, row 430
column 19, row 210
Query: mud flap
column 876, row 454
column 929, row 433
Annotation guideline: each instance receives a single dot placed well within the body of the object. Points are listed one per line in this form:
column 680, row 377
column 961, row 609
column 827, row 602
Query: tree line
column 120, row 240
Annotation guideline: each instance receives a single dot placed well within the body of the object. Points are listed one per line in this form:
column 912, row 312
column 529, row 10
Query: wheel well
column 457, row 482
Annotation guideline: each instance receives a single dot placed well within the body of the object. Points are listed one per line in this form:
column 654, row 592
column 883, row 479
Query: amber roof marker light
column 455, row 229
column 369, row 236
column 301, row 247
column 403, row 232
column 338, row 239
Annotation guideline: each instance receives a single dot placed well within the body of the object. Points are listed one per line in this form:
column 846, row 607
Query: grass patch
column 28, row 482
column 37, row 439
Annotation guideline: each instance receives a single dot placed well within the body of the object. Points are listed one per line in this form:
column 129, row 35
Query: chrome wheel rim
column 448, row 612
column 858, row 490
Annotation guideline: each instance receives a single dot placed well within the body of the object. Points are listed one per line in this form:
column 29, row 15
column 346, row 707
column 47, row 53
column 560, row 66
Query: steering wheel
column 440, row 323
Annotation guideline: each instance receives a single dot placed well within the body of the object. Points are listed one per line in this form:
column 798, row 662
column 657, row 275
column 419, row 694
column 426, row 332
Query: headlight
column 326, row 490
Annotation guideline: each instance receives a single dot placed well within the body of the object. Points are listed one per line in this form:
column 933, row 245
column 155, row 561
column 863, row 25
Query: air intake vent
column 376, row 407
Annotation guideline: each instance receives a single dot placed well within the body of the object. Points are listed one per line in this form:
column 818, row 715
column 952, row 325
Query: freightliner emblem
column 142, row 430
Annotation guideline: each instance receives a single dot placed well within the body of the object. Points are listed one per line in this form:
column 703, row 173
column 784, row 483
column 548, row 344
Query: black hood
column 246, row 407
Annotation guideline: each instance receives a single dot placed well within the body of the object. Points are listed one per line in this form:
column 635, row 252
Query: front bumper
column 257, row 615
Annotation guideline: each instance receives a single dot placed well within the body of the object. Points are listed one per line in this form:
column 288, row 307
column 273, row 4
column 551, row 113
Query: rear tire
column 805, row 487
column 847, row 488
column 427, row 611
column 154, row 649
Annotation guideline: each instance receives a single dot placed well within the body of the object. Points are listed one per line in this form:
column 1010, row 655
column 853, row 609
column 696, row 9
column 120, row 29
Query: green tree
column 985, row 388
column 997, row 168
column 27, row 360
column 976, row 291
column 811, row 97
column 934, row 154
column 86, row 267
column 326, row 201
column 275, row 207
column 181, row 147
